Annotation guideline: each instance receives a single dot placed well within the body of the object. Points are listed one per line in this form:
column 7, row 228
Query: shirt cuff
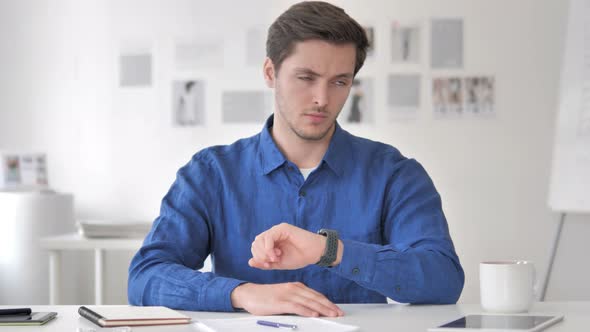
column 358, row 262
column 217, row 297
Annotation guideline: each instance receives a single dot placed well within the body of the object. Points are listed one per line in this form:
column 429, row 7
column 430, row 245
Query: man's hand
column 285, row 298
column 287, row 247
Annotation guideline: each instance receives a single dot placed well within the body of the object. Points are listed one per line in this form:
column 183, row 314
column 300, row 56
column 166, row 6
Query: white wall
column 118, row 153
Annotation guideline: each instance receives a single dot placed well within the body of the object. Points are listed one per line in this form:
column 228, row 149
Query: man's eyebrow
column 313, row 73
column 306, row 71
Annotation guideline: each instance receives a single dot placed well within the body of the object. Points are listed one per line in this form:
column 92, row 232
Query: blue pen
column 277, row 325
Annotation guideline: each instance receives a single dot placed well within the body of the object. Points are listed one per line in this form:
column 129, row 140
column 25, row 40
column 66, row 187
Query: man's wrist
column 237, row 297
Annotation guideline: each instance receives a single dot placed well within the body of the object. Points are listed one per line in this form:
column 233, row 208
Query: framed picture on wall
column 370, row 31
column 403, row 96
column 23, row 171
column 405, row 43
column 188, row 102
column 479, row 95
column 359, row 107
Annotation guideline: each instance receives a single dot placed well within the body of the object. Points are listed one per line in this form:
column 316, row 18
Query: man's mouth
column 316, row 117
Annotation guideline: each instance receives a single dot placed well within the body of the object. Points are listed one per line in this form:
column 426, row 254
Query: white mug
column 507, row 286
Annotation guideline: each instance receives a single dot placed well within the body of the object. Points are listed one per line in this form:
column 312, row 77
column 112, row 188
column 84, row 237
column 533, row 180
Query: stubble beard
column 301, row 132
column 297, row 131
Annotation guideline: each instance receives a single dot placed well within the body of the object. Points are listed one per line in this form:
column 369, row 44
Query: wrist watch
column 331, row 251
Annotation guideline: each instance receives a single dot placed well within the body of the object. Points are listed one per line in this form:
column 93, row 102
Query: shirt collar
column 338, row 154
column 336, row 157
column 270, row 156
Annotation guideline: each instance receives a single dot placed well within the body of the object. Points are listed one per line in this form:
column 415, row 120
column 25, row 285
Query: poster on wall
column 199, row 53
column 403, row 96
column 135, row 70
column 188, row 102
column 10, row 171
column 359, row 107
column 405, row 43
column 246, row 106
column 446, row 43
column 479, row 95
column 370, row 31
column 447, row 96
column 23, row 171
column 255, row 46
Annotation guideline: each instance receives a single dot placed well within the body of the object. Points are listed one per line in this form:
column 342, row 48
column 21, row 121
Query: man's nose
column 320, row 95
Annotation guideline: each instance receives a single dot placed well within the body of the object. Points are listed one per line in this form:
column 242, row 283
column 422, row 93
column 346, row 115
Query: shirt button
column 356, row 270
column 302, row 193
column 398, row 288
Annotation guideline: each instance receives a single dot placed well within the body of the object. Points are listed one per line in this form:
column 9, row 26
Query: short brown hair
column 314, row 20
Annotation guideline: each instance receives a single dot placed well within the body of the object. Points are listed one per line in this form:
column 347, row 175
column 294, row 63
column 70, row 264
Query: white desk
column 56, row 244
column 369, row 317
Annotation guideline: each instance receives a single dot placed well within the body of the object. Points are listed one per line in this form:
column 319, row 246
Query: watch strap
column 331, row 250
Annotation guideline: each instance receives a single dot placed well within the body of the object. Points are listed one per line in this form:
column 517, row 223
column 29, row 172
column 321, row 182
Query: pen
column 277, row 325
column 15, row 311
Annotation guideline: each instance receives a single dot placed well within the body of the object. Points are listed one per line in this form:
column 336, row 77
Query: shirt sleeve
column 417, row 262
column 165, row 269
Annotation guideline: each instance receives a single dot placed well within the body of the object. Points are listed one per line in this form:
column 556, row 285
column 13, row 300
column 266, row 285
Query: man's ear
column 268, row 70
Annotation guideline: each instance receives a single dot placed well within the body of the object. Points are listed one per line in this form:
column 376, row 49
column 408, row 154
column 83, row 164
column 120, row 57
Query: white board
column 570, row 175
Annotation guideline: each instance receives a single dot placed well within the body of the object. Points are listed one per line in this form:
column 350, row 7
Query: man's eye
column 305, row 78
column 341, row 83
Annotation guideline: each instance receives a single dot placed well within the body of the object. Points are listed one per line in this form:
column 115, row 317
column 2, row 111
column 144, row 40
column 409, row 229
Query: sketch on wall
column 359, row 107
column 405, row 43
column 479, row 95
column 403, row 96
column 446, row 43
column 447, row 96
column 246, row 106
column 188, row 102
column 135, row 70
column 370, row 31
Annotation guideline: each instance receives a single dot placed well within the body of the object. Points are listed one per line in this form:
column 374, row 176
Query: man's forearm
column 176, row 286
column 416, row 275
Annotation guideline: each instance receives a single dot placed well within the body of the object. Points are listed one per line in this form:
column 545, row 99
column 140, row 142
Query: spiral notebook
column 35, row 318
column 111, row 316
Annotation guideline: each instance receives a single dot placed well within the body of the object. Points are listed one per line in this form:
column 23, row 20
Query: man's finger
column 313, row 295
column 269, row 246
column 311, row 303
column 299, row 309
column 257, row 264
column 264, row 265
column 258, row 252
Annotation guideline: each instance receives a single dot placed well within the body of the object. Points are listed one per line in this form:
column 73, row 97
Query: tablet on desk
column 494, row 323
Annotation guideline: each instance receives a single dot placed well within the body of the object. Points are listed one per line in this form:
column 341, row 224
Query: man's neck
column 303, row 153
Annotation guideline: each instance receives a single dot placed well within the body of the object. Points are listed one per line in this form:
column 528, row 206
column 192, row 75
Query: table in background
column 56, row 244
column 369, row 317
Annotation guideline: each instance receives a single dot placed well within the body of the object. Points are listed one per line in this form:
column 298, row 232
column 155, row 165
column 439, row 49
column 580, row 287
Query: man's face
column 311, row 87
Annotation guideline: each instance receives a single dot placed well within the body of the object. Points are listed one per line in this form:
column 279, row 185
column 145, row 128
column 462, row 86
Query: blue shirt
column 384, row 206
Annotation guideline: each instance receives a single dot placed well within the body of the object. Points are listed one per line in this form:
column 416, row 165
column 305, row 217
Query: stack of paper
column 248, row 324
column 110, row 228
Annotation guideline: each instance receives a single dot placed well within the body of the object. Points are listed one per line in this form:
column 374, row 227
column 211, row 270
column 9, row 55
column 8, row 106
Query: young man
column 256, row 206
